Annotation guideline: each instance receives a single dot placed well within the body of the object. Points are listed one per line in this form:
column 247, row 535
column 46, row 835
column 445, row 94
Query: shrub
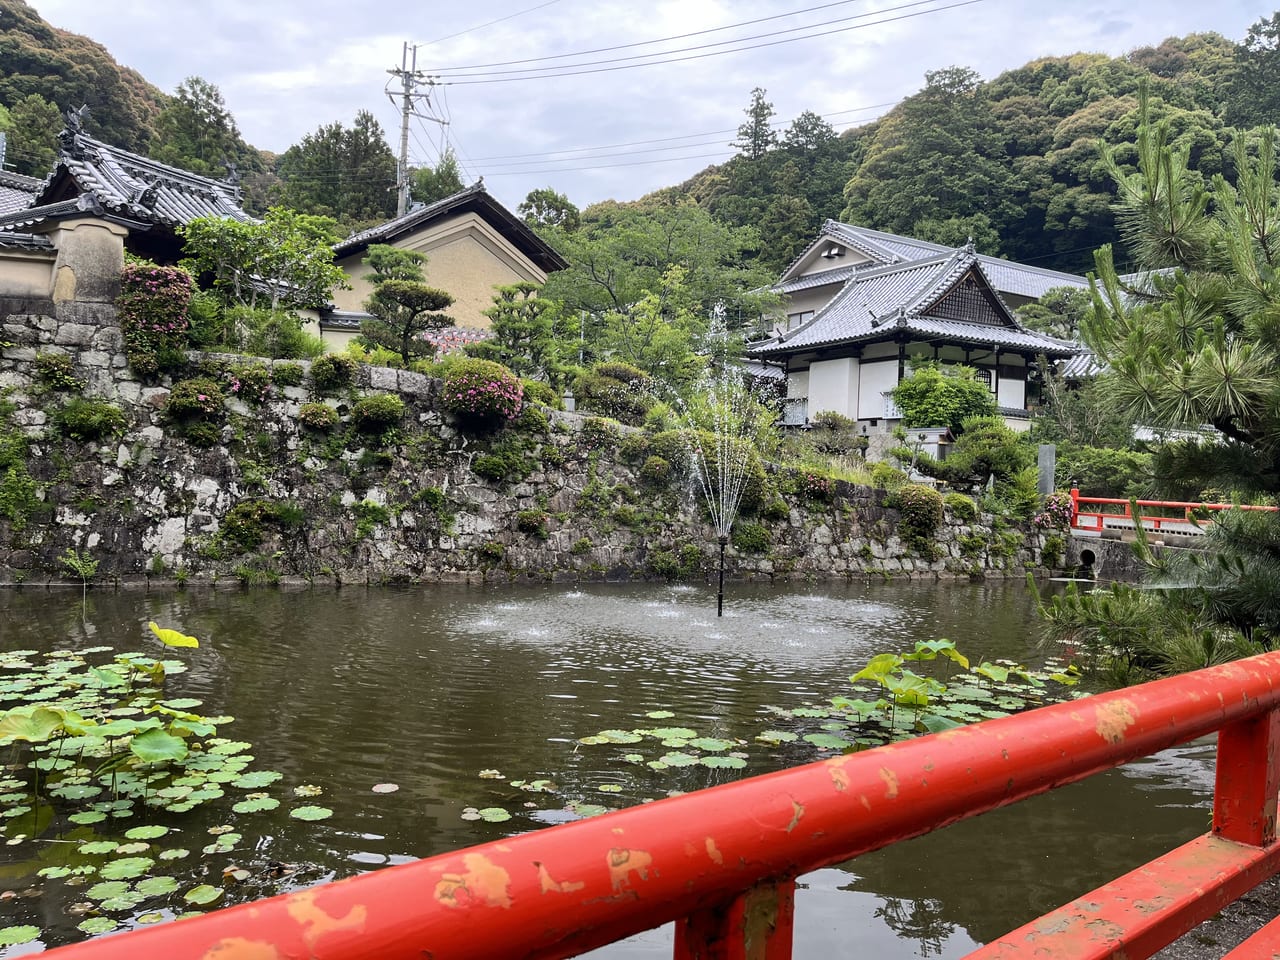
column 251, row 382
column 816, row 486
column 987, row 446
column 581, row 545
column 374, row 414
column 152, row 309
column 19, row 495
column 533, row 522
column 599, row 434
column 1104, row 472
column 539, row 391
column 483, row 390
column 1056, row 514
column 532, row 420
column 55, row 371
column 751, row 538
column 615, row 390
column 332, row 372
column 921, row 516
column 962, row 508
column 83, row 419
column 634, row 448
column 491, row 553
column 197, row 399
column 287, row 374
column 279, row 334
column 369, row 514
column 498, row 466
column 318, row 416
column 656, row 471
column 245, row 525
column 1052, row 552
column 932, row 397
column 887, row 477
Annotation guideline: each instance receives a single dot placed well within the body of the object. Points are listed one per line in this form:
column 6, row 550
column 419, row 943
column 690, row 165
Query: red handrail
column 1094, row 520
column 723, row 861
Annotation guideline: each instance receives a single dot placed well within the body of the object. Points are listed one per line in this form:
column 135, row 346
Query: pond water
column 425, row 687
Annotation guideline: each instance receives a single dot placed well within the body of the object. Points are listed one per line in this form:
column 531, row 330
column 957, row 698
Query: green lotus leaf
column 256, row 779
column 140, row 846
column 156, row 746
column 633, row 758
column 308, row 790
column 620, row 736
column 656, row 765
column 106, row 889
column 17, row 811
column 936, row 724
column 810, row 712
column 172, row 638
column 594, row 740
column 15, row 936
column 672, row 733
column 712, row 744
column 675, row 743
column 75, row 791
column 177, row 853
column 826, row 741
column 587, row 809
column 31, row 725
column 202, row 894
column 659, row 714
column 155, row 916
column 53, row 873
column 126, row 868
column 182, row 703
column 122, row 903
column 157, row 886
column 225, row 748
column 494, row 814
column 609, row 788
column 776, row 737
column 726, row 763
column 311, row 813
column 97, row 925
column 678, row 760
column 256, row 805
column 97, row 847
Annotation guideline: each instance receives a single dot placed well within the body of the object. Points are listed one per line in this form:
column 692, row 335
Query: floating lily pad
column 712, row 744
column 155, row 916
column 255, row 780
column 469, row 813
column 494, row 814
column 138, row 847
column 777, row 736
column 826, row 741
column 634, row 758
column 126, row 868
column 659, row 714
column 146, row 833
column 678, row 760
column 311, row 813
column 122, row 903
column 609, row 788
column 620, row 736
column 97, row 847
column 157, row 886
column 673, row 733
column 587, row 809
column 107, row 889
column 202, row 894
column 95, row 925
column 725, row 763
column 15, row 936
column 177, row 853
column 385, row 787
column 54, row 873
column 228, row 747
column 490, row 775
column 256, row 805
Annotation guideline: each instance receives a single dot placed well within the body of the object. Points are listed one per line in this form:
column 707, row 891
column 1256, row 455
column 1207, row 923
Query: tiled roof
column 16, row 191
column 882, row 302
column 1082, row 366
column 92, row 176
column 24, row 241
column 473, row 199
column 820, row 279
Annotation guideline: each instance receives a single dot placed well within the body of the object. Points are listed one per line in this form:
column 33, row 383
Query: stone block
column 74, row 334
column 93, row 358
column 383, row 378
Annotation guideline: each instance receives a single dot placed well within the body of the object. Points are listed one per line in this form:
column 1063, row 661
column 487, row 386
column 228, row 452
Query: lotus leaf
column 587, row 809
column 307, row 790
column 494, row 814
column 34, row 725
column 228, row 747
column 633, row 758
column 202, row 894
column 14, row 936
column 256, row 805
column 594, row 740
column 486, row 775
column 656, row 765
column 16, row 811
column 776, row 737
column 620, row 736
column 256, row 779
column 156, row 746
column 609, row 788
column 107, row 889
column 936, row 724
column 121, row 903
column 157, row 886
column 97, row 925
column 172, row 638
column 385, row 787
column 126, row 868
column 182, row 703
column 809, row 712
column 177, row 853
column 311, row 813
column 535, row 786
column 825, row 741
column 75, row 791
column 53, row 873
column 678, row 760
column 97, row 847
column 659, row 714
column 221, row 829
column 155, row 916
column 672, row 733
column 711, row 744
column 469, row 813
column 725, row 763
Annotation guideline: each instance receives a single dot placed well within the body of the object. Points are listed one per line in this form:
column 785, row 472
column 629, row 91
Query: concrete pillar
column 90, row 260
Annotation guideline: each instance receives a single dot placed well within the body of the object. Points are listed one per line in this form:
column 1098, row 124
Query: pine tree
column 404, row 307
column 756, row 136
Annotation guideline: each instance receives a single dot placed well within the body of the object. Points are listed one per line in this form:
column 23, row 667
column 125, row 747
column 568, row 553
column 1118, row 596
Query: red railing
column 722, row 862
column 1094, row 520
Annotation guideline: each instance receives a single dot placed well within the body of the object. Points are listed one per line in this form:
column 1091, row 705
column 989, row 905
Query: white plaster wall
column 877, row 378
column 1013, row 393
column 797, row 384
column 833, row 385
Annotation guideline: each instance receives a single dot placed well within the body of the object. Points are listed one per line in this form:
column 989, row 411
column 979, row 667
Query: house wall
column 878, row 377
column 26, row 274
column 467, row 258
column 833, row 386
column 798, row 384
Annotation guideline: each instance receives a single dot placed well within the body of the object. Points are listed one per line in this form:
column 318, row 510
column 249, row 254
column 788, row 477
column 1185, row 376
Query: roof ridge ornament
column 69, row 137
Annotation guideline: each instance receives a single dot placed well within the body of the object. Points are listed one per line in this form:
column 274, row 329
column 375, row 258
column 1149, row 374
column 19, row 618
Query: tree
column 544, row 207
column 33, row 135
column 284, row 262
column 934, row 397
column 1253, row 95
column 197, row 132
column 435, row 183
column 347, row 174
column 756, row 136
column 523, row 333
column 660, row 333
column 1059, row 312
column 403, row 306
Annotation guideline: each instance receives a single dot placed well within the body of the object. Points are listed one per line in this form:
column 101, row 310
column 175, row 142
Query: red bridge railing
column 1180, row 516
column 722, row 862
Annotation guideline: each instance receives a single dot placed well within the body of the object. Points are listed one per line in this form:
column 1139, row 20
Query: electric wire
column 510, row 16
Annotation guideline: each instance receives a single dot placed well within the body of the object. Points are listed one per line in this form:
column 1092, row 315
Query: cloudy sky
column 658, row 99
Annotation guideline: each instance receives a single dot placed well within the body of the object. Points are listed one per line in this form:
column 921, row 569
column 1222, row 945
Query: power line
column 646, row 43
column 510, row 16
column 531, row 74
column 601, row 166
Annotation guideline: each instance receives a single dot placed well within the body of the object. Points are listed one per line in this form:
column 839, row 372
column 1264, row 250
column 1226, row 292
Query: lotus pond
column 316, row 734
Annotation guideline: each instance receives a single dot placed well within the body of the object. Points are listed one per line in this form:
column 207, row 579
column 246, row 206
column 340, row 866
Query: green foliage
column 152, row 309
column 491, row 553
column 318, row 416
column 197, row 399
column 962, row 508
column 287, row 374
column 333, row 372
column 248, row 523
column 404, row 308
column 80, row 564
column 536, row 391
column 934, row 397
column 347, row 174
column 19, row 496
column 369, row 514
column 83, row 419
column 544, row 208
column 522, row 327
column 56, row 372
column 250, row 382
column 196, row 132
column 482, row 391
column 599, row 433
column 751, row 537
column 430, row 184
column 277, row 334
column 987, row 447
column 656, row 471
column 376, row 413
column 533, row 522
column 624, row 393
column 921, row 510
column 885, row 476
column 685, row 562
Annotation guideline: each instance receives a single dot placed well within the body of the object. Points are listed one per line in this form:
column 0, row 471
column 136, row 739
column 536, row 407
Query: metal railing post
column 755, row 925
column 1248, row 779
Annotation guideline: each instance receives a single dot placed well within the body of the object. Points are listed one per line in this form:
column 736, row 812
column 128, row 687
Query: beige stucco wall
column 90, row 260
column 26, row 274
column 467, row 258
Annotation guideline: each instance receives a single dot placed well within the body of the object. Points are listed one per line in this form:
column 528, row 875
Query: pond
column 423, row 688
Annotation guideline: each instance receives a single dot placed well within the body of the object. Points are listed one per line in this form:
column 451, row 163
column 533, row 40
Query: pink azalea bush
column 482, row 388
column 152, row 307
column 1056, row 514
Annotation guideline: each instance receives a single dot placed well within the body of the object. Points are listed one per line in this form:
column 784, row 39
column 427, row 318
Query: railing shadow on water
column 722, row 862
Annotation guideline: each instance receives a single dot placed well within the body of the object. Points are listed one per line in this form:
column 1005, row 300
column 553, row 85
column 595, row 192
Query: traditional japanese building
column 862, row 306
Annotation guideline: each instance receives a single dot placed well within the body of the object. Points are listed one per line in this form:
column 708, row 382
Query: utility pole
column 411, row 78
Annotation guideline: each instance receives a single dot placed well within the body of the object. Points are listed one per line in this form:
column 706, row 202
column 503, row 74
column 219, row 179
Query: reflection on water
column 425, row 687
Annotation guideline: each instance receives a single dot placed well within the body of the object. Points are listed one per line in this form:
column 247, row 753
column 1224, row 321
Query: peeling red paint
column 317, row 923
column 549, row 885
column 1112, row 719
column 714, row 853
column 890, row 783
column 238, row 948
column 623, row 862
column 482, row 881
column 797, row 811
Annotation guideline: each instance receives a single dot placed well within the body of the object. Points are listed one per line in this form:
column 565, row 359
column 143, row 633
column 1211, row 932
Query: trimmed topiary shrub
column 333, row 371
column 539, row 391
column 374, row 414
column 482, row 390
column 318, row 416
column 750, row 538
column 962, row 508
column 921, row 516
column 82, row 419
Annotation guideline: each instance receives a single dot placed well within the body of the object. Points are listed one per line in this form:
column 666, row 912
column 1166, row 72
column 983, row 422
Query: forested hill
column 1012, row 162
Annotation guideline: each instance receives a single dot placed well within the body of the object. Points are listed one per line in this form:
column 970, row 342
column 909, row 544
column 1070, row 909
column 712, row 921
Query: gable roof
column 16, row 191
column 95, row 177
column 474, row 199
column 947, row 297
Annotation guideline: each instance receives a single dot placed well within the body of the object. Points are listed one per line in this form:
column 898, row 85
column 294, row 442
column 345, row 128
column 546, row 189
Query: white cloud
column 289, row 66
